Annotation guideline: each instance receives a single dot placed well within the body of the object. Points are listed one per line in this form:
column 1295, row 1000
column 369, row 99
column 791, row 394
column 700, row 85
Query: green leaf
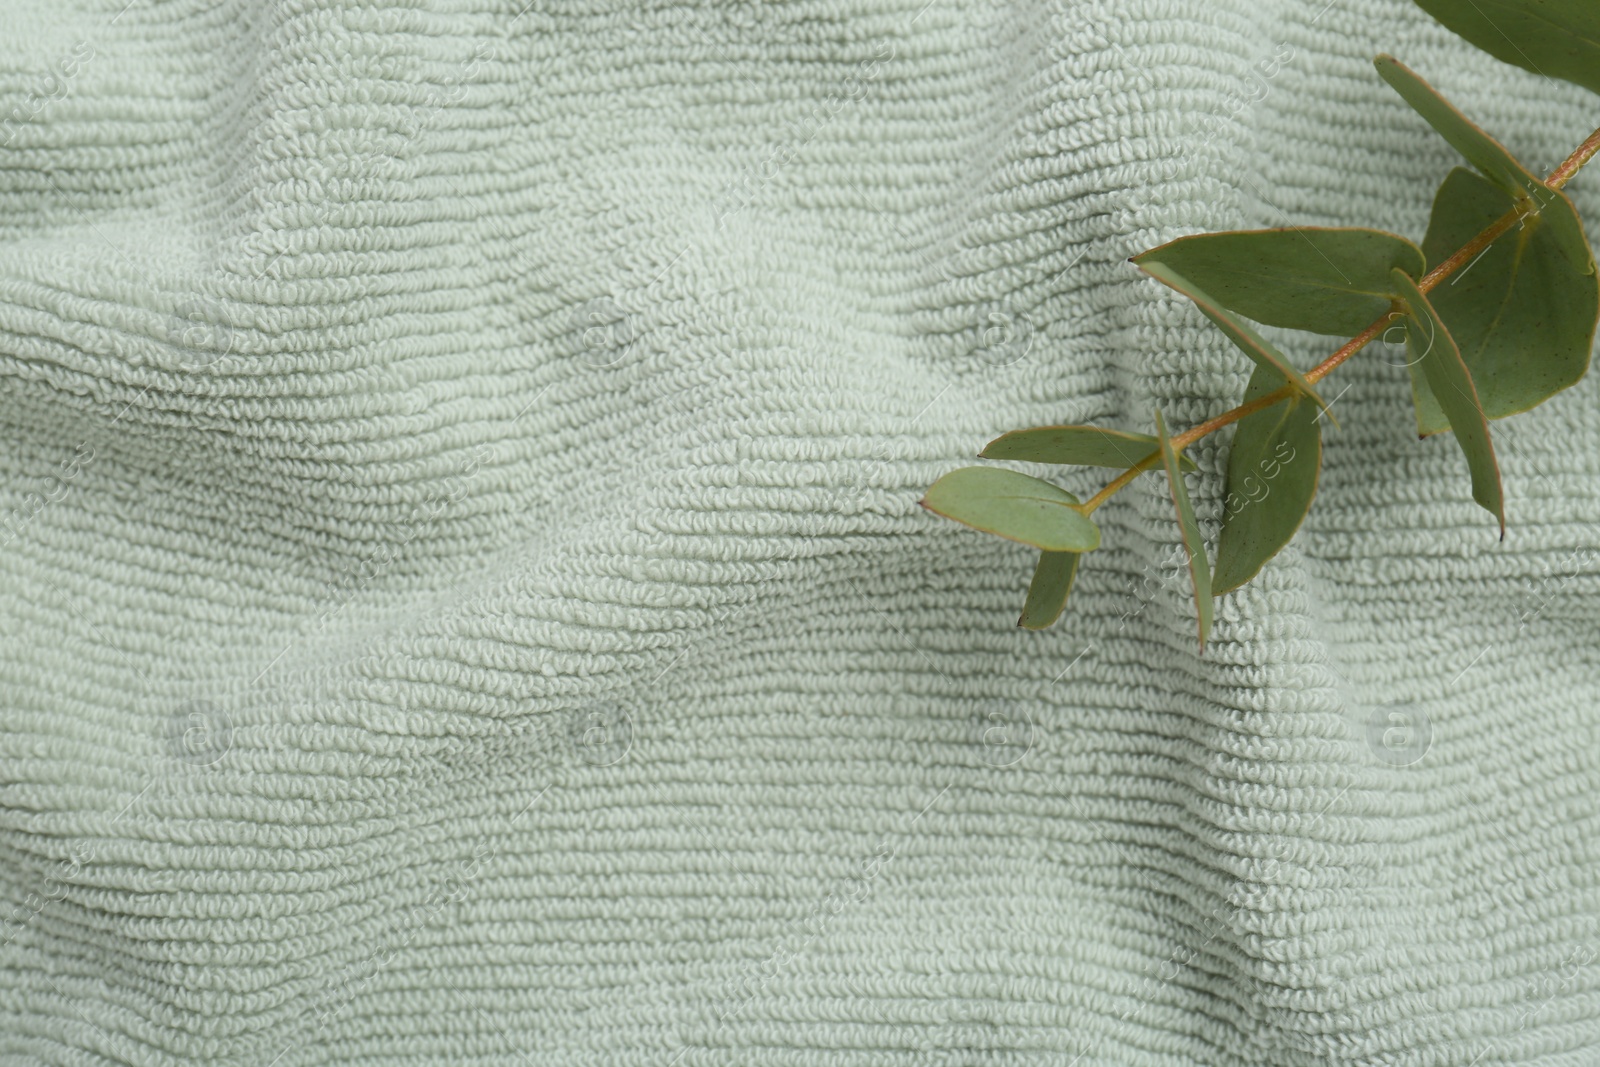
column 1523, row 318
column 1090, row 446
column 1193, row 546
column 1464, row 135
column 1431, row 345
column 1325, row 280
column 1251, row 343
column 1552, row 38
column 1491, row 157
column 1015, row 507
column 1047, row 593
column 1272, row 478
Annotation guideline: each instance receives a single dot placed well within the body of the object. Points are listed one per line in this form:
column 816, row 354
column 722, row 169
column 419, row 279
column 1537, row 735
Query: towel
column 463, row 598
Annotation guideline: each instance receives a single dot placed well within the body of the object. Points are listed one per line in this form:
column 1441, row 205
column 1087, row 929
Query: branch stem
column 1461, row 258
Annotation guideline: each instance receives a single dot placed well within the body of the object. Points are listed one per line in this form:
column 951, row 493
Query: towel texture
column 463, row 598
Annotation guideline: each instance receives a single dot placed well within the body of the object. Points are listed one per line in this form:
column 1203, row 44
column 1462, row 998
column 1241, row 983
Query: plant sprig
column 1504, row 337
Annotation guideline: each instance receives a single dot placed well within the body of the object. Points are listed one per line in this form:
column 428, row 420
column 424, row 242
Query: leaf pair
column 1038, row 513
column 1522, row 314
column 1499, row 166
column 1026, row 509
column 1523, row 310
column 1277, row 449
column 1035, row 512
column 1336, row 281
column 1516, row 324
column 1321, row 280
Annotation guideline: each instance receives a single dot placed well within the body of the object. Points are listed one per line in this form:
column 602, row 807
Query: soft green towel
column 464, row 600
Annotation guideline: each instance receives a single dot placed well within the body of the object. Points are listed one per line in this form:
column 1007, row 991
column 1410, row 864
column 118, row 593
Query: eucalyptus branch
column 1462, row 256
column 1503, row 337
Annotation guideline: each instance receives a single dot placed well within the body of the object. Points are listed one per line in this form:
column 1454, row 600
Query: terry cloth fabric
column 465, row 600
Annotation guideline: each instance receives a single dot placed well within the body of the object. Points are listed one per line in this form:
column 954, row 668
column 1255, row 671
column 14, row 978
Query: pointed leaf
column 1193, row 546
column 1325, row 280
column 1523, row 318
column 1272, row 478
column 1490, row 157
column 1089, row 446
column 1431, row 345
column 1552, row 38
column 1250, row 343
column 1015, row 507
column 1464, row 135
column 1047, row 593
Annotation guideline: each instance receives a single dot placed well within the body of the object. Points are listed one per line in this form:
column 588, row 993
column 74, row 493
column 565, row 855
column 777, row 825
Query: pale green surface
column 861, row 818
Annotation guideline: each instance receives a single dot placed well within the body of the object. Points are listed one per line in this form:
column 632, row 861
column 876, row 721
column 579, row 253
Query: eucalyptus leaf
column 1491, row 157
column 1090, row 446
column 1047, row 593
column 1193, row 546
column 1464, row 135
column 1273, row 468
column 1431, row 345
column 1552, row 38
column 1325, row 280
column 1523, row 318
column 1014, row 506
column 1252, row 344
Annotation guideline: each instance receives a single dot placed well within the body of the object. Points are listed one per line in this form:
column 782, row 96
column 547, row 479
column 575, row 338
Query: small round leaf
column 1014, row 506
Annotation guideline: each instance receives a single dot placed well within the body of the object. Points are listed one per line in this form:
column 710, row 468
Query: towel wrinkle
column 463, row 597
